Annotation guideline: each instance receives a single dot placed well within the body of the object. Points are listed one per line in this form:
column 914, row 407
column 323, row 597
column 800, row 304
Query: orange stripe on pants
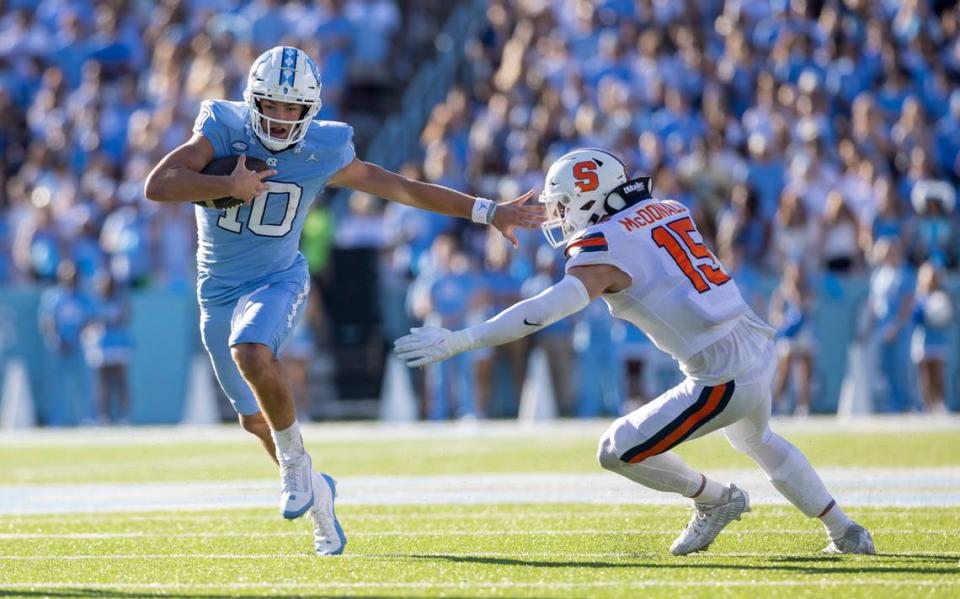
column 691, row 421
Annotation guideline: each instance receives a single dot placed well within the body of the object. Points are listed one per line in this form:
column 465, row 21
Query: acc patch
column 594, row 242
column 239, row 146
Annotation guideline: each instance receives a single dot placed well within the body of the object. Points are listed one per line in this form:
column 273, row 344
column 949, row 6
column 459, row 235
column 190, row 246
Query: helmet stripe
column 293, row 71
column 288, row 66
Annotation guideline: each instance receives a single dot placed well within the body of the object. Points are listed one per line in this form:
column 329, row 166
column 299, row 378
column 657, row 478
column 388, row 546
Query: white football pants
column 638, row 445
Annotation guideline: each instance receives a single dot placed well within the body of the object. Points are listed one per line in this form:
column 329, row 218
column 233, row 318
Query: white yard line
column 813, row 530
column 611, row 511
column 891, row 487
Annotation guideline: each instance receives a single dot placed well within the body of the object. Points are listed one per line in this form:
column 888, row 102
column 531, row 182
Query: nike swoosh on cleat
column 532, row 324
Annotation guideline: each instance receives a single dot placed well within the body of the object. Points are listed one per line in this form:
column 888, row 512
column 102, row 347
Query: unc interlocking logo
column 271, row 161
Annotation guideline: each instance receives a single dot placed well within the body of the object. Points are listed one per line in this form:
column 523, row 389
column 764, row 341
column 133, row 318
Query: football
column 224, row 166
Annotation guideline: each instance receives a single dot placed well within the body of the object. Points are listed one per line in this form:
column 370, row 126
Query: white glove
column 426, row 345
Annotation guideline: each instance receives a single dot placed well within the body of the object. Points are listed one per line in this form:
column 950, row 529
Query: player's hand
column 426, row 345
column 248, row 184
column 515, row 213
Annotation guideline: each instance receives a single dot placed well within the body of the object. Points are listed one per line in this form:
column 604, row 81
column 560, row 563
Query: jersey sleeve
column 602, row 247
column 592, row 248
column 347, row 152
column 332, row 142
column 214, row 124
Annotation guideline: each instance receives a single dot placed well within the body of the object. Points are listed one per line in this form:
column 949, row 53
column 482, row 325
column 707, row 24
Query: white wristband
column 483, row 210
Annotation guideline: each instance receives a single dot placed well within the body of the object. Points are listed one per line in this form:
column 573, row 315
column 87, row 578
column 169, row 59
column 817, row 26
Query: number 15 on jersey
column 697, row 263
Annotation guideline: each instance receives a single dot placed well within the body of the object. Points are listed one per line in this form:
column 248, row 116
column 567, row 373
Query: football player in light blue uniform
column 252, row 280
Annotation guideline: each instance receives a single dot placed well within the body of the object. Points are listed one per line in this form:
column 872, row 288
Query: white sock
column 835, row 520
column 289, row 443
column 788, row 470
column 710, row 493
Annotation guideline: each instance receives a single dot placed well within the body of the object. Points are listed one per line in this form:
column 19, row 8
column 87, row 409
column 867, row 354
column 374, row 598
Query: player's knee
column 606, row 450
column 252, row 358
column 741, row 444
column 751, row 442
column 255, row 424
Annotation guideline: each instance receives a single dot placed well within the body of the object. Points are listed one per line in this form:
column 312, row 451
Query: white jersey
column 681, row 297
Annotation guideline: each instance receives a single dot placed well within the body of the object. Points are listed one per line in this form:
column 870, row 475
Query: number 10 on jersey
column 292, row 192
column 698, row 263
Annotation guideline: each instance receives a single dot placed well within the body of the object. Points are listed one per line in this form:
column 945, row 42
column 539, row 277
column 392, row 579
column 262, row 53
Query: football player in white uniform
column 646, row 259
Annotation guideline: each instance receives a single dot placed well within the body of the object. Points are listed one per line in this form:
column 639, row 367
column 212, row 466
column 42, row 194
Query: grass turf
column 571, row 451
column 552, row 550
column 504, row 550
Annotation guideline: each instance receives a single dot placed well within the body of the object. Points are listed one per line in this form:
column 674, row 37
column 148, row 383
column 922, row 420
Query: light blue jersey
column 240, row 248
column 252, row 279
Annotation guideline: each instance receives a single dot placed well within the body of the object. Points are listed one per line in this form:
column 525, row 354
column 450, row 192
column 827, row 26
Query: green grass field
column 456, row 550
column 188, row 457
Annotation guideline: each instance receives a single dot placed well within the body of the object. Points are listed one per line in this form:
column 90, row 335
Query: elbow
column 153, row 189
column 157, row 186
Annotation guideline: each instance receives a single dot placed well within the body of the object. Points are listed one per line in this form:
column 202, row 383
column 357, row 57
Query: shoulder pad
column 224, row 113
column 329, row 133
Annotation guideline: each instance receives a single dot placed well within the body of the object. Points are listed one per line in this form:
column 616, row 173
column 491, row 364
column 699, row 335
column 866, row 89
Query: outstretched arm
column 573, row 293
column 380, row 182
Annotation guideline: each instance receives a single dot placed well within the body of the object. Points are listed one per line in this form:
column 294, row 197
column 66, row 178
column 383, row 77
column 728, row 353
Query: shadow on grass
column 915, row 557
column 872, row 565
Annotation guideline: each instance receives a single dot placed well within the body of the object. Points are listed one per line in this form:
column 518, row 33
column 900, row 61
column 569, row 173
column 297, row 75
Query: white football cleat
column 328, row 537
column 857, row 539
column 707, row 523
column 296, row 487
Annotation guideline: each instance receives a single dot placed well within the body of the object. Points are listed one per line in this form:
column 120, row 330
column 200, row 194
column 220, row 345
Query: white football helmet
column 576, row 192
column 282, row 74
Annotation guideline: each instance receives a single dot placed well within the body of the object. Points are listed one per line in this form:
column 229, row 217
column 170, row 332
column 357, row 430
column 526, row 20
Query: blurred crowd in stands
column 815, row 141
column 95, row 93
